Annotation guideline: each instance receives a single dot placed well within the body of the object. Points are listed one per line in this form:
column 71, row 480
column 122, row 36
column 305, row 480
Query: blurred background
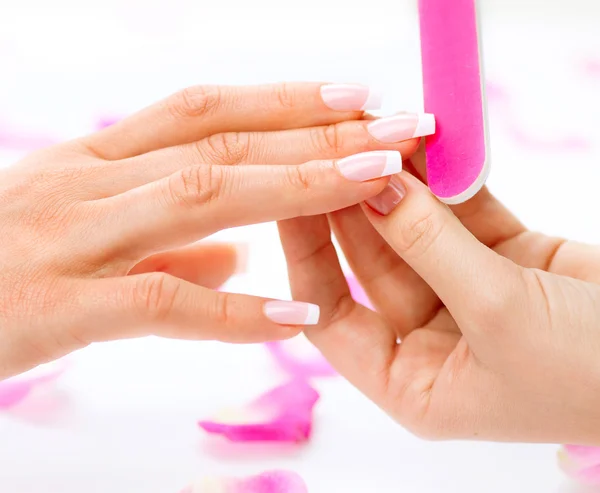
column 67, row 67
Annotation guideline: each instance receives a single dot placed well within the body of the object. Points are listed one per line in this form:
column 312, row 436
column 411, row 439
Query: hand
column 483, row 330
column 96, row 233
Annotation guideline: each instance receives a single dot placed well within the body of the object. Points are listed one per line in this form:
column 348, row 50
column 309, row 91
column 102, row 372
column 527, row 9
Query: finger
column 289, row 146
column 395, row 289
column 197, row 112
column 201, row 200
column 355, row 340
column 464, row 273
column 160, row 304
column 484, row 215
column 208, row 265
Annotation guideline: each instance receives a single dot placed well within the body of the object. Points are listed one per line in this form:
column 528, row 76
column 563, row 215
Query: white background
column 134, row 405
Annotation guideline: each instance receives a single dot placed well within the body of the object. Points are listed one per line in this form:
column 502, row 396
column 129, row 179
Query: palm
column 434, row 367
column 423, row 376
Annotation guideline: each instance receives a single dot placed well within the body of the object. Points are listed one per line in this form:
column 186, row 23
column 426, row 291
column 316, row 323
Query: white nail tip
column 425, row 125
column 312, row 317
column 393, row 163
column 374, row 101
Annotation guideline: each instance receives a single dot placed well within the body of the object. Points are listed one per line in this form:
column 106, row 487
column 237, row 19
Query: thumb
column 466, row 275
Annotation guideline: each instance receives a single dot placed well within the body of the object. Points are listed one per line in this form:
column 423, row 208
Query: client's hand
column 95, row 233
column 484, row 330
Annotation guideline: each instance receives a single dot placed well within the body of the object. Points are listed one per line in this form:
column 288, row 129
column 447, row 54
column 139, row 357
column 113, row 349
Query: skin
column 101, row 229
column 483, row 330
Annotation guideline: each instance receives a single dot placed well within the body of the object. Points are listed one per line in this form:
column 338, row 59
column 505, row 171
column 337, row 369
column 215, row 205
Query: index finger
column 197, row 112
column 200, row 200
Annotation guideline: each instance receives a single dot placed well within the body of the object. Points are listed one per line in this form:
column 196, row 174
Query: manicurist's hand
column 96, row 234
column 483, row 330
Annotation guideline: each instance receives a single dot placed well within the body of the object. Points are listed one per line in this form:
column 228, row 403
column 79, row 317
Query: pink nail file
column 453, row 81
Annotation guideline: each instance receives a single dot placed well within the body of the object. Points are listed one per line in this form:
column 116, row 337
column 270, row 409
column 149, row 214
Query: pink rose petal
column 283, row 414
column 15, row 390
column 106, row 122
column 581, row 463
column 558, row 144
column 23, row 141
column 592, row 68
column 267, row 482
column 500, row 101
column 495, row 93
column 34, row 397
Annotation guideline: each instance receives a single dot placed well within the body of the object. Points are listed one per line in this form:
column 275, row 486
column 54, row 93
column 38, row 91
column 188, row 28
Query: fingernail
column 370, row 165
column 402, row 127
column 350, row 97
column 389, row 198
column 292, row 312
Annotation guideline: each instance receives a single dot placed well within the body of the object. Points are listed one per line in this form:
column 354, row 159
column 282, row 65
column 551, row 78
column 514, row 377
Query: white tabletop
column 133, row 406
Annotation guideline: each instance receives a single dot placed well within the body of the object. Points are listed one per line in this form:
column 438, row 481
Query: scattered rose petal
column 567, row 144
column 283, row 414
column 14, row 391
column 267, row 482
column 291, row 358
column 33, row 396
column 581, row 463
column 499, row 99
column 106, row 122
column 358, row 293
column 592, row 68
column 495, row 92
column 10, row 139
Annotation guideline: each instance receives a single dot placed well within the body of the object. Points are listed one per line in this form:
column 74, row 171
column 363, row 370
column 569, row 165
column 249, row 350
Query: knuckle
column 357, row 133
column 327, row 140
column 285, row 95
column 196, row 185
column 155, row 295
column 193, row 102
column 298, row 178
column 419, row 233
column 228, row 148
column 219, row 309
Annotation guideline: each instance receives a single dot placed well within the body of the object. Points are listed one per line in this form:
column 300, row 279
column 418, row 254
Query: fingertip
column 314, row 314
column 242, row 256
column 292, row 312
column 350, row 97
column 411, row 147
column 384, row 203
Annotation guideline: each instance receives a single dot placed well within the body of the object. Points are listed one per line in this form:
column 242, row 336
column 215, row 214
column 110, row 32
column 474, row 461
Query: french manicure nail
column 292, row 312
column 350, row 97
column 389, row 198
column 402, row 127
column 370, row 165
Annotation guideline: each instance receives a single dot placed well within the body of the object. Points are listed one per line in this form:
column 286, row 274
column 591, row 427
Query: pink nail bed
column 266, row 482
column 389, row 198
column 292, row 312
column 350, row 97
column 370, row 165
column 402, row 127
